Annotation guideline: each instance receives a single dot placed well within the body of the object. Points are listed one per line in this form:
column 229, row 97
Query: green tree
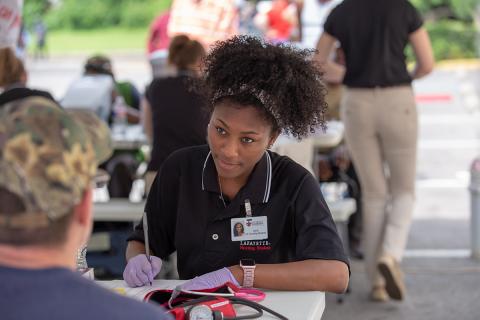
column 451, row 26
column 33, row 10
column 92, row 14
column 85, row 14
column 135, row 15
column 450, row 9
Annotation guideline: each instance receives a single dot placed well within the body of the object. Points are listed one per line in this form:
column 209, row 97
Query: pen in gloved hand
column 145, row 235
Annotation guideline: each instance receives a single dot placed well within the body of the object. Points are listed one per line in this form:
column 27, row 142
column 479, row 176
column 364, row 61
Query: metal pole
column 476, row 21
column 475, row 208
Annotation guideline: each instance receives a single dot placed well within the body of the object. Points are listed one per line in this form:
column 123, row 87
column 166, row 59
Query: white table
column 122, row 210
column 295, row 305
column 331, row 137
column 118, row 210
column 304, row 151
column 129, row 137
column 342, row 209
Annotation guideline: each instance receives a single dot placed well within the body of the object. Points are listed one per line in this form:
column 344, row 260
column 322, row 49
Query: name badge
column 249, row 228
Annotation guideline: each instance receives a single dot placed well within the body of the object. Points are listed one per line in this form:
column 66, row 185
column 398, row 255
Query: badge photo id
column 250, row 228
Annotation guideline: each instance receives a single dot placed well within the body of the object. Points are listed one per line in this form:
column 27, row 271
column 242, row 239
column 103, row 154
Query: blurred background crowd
column 67, row 23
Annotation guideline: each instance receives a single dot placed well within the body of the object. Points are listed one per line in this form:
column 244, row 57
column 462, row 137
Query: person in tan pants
column 378, row 108
column 381, row 134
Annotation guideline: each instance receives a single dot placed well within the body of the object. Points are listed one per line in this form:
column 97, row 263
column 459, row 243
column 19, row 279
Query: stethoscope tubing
column 249, row 294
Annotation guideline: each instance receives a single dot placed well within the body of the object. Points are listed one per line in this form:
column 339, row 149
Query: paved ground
column 438, row 288
column 442, row 281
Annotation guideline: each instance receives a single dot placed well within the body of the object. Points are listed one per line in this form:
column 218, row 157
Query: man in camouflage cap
column 47, row 159
column 48, row 165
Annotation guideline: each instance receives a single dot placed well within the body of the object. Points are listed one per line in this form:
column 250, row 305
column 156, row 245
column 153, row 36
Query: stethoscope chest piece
column 203, row 312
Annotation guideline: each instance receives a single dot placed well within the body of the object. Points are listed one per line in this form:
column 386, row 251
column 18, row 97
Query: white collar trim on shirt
column 203, row 170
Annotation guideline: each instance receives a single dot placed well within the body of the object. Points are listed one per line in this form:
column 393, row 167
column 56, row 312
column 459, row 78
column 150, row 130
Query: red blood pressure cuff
column 163, row 296
column 215, row 303
column 190, row 306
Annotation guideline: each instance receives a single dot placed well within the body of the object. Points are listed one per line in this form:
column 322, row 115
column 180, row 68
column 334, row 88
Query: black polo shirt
column 186, row 213
column 179, row 117
column 373, row 35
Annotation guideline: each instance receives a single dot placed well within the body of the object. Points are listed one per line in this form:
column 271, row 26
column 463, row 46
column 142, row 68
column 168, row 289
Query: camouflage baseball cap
column 48, row 158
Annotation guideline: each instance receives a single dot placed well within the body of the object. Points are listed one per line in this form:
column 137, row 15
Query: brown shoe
column 390, row 270
column 379, row 294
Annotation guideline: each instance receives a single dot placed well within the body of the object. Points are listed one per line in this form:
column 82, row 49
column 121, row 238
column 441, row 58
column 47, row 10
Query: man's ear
column 83, row 210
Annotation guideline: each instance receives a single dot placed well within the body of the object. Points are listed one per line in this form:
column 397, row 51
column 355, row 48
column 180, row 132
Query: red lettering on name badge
column 248, row 248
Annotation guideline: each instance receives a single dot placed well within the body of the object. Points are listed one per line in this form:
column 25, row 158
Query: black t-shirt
column 186, row 213
column 22, row 92
column 373, row 35
column 179, row 117
column 59, row 294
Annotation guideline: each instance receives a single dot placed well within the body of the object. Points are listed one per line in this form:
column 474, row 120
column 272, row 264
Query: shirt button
column 215, row 236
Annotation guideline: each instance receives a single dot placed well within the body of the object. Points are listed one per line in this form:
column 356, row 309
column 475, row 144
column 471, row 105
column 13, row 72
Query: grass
column 100, row 40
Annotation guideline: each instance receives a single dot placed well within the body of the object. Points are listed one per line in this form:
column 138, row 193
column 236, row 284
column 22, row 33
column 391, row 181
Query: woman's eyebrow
column 242, row 132
column 223, row 123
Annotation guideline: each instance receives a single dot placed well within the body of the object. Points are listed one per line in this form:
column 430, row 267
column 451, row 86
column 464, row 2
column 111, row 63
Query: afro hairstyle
column 279, row 79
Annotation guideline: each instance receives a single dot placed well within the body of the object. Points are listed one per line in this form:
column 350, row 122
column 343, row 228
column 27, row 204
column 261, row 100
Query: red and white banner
column 10, row 21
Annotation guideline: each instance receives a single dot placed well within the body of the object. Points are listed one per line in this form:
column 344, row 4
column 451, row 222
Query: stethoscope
column 195, row 310
column 244, row 293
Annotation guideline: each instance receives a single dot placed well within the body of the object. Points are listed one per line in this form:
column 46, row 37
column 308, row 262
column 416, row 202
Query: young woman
column 238, row 229
column 255, row 90
column 380, row 116
column 169, row 104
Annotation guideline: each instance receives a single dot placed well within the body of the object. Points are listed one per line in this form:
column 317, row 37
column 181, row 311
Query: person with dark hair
column 13, row 79
column 185, row 54
column 47, row 169
column 100, row 64
column 169, row 104
column 94, row 90
column 98, row 90
column 380, row 116
column 238, row 229
column 254, row 90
